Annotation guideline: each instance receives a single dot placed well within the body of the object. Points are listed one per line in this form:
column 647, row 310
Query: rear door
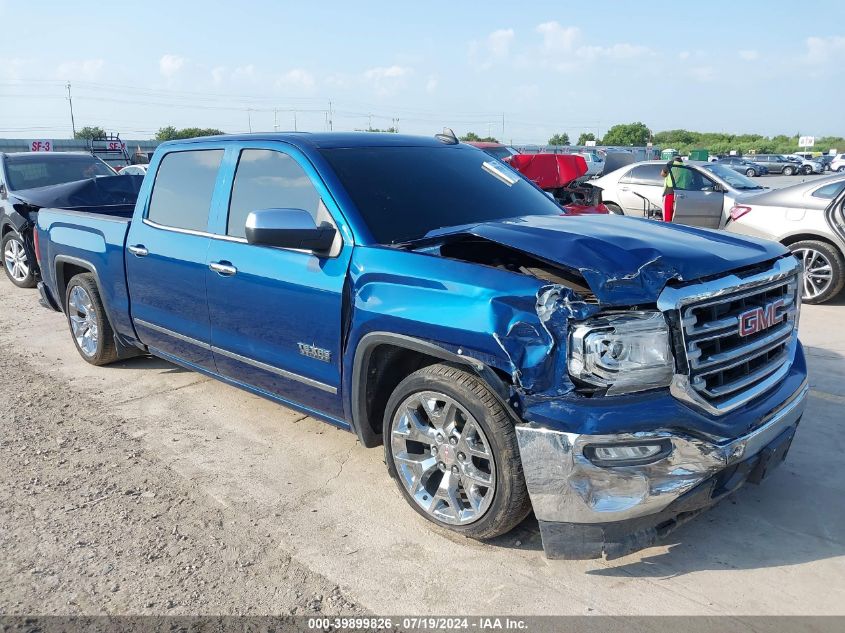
column 640, row 187
column 697, row 201
column 166, row 259
column 276, row 313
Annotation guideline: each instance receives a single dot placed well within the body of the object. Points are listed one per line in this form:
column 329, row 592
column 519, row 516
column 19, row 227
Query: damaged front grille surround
column 719, row 366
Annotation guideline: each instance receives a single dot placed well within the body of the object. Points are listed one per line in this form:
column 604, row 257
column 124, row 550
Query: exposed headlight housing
column 622, row 352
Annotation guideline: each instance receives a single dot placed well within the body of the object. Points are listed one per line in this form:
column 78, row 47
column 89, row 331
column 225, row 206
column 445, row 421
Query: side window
column 267, row 179
column 828, row 192
column 183, row 189
column 646, row 174
column 689, row 180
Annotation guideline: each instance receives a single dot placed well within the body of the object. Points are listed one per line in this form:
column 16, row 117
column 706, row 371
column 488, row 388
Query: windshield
column 733, row 178
column 403, row 193
column 32, row 171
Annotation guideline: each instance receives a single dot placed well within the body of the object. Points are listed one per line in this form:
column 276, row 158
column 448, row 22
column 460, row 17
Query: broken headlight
column 622, row 352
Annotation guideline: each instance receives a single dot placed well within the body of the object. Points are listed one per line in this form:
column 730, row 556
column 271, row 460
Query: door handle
column 623, row 188
column 680, row 195
column 224, row 269
column 138, row 250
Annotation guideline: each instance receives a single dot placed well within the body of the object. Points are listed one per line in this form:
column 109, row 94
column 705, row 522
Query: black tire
column 21, row 281
column 807, row 170
column 788, row 171
column 510, row 504
column 614, row 208
column 842, row 168
column 837, row 267
column 750, row 173
column 105, row 351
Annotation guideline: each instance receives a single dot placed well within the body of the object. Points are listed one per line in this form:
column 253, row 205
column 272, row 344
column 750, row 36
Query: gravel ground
column 92, row 522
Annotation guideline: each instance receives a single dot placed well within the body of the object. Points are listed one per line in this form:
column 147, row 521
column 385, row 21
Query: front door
column 276, row 313
column 698, row 201
column 166, row 259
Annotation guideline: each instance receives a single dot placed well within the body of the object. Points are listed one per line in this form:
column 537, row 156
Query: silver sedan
column 795, row 216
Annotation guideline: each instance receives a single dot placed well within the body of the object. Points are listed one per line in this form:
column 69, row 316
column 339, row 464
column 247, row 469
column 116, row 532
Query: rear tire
column 824, row 270
column 451, row 447
column 17, row 261
column 750, row 173
column 614, row 208
column 89, row 326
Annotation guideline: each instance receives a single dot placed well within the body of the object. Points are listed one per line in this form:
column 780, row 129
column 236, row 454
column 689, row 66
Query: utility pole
column 275, row 119
column 330, row 116
column 369, row 123
column 249, row 118
column 70, row 101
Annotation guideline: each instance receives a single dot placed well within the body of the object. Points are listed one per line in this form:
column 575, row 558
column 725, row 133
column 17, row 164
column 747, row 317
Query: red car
column 556, row 173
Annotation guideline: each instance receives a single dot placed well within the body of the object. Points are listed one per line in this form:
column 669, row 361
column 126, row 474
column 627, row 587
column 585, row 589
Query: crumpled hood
column 81, row 194
column 627, row 261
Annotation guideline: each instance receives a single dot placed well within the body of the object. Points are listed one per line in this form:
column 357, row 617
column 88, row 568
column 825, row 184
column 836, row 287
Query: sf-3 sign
column 41, row 146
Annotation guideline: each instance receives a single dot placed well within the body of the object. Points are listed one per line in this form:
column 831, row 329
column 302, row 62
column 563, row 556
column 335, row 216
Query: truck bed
column 73, row 241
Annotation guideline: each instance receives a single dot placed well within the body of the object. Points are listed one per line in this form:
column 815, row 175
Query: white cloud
column 703, row 73
column 387, row 72
column 218, row 75
column 88, row 69
column 821, row 50
column 297, row 77
column 558, row 38
column 169, row 65
column 387, row 80
column 431, row 85
column 683, row 55
column 499, row 42
column 244, row 72
column 617, row 51
column 749, row 55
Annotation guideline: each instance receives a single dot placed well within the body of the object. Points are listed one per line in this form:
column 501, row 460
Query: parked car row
column 715, row 196
column 614, row 375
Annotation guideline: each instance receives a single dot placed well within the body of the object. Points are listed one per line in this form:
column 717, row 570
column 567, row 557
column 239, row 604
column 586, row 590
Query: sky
column 520, row 71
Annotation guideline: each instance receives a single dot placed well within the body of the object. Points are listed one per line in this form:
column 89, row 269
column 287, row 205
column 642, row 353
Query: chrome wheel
column 17, row 264
column 818, row 272
column 83, row 321
column 443, row 458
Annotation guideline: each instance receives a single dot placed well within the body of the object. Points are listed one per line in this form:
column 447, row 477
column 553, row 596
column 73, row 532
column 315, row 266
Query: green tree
column 170, row 133
column 559, row 139
column 627, row 134
column 475, row 138
column 584, row 137
column 89, row 132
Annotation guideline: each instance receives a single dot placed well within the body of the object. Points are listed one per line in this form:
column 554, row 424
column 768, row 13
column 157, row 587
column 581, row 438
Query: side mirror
column 2, row 191
column 288, row 228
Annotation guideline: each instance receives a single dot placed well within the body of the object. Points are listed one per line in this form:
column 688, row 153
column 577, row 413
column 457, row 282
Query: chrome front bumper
column 566, row 487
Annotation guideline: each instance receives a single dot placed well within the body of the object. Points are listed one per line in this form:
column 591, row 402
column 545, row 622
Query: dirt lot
column 143, row 488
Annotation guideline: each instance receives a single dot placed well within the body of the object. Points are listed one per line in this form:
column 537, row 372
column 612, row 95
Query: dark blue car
column 613, row 374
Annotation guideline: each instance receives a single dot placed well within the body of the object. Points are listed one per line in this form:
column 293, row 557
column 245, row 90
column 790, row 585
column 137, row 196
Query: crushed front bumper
column 586, row 511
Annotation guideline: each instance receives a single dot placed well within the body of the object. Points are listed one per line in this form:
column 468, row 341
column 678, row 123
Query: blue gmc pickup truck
column 614, row 375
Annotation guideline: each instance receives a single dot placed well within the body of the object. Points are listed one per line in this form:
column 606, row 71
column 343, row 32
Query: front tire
column 807, row 170
column 451, row 447
column 614, row 208
column 788, row 171
column 839, row 169
column 824, row 270
column 17, row 261
column 750, row 173
column 89, row 326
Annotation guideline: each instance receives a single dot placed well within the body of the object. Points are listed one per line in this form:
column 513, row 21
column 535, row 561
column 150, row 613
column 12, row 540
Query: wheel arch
column 789, row 240
column 383, row 359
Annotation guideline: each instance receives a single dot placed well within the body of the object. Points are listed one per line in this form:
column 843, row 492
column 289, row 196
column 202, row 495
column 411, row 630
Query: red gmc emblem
column 759, row 319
